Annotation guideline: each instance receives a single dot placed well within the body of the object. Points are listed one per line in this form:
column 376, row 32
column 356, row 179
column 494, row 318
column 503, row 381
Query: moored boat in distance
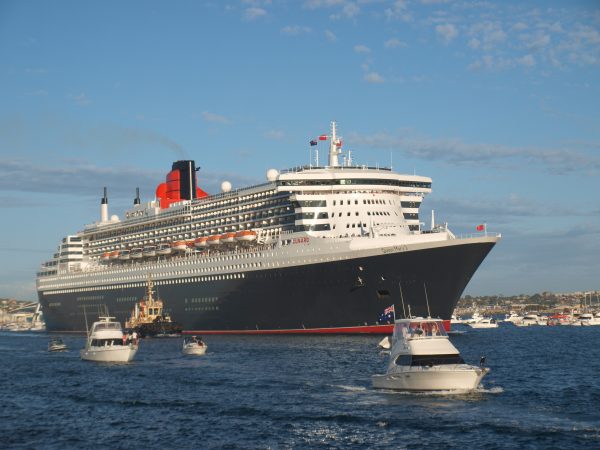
column 337, row 242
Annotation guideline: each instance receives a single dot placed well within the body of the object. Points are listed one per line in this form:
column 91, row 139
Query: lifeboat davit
column 215, row 239
column 136, row 253
column 105, row 256
column 163, row 249
column 245, row 236
column 179, row 246
column 124, row 255
column 200, row 242
column 228, row 238
column 149, row 251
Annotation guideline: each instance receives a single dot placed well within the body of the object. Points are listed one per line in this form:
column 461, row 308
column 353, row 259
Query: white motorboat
column 486, row 322
column 194, row 346
column 56, row 345
column 587, row 319
column 513, row 317
column 456, row 320
column 107, row 343
column 476, row 317
column 422, row 358
column 528, row 320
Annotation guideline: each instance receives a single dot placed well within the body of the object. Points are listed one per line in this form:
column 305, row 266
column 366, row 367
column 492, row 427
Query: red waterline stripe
column 369, row 329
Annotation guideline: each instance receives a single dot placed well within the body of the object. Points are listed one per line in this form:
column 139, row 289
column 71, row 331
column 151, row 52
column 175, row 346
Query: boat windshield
column 108, row 326
column 419, row 329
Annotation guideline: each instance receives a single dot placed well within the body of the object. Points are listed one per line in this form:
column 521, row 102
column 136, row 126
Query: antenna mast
column 335, row 145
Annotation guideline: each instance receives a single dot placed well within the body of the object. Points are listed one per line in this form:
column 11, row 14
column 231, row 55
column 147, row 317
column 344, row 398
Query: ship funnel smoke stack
column 104, row 207
column 136, row 200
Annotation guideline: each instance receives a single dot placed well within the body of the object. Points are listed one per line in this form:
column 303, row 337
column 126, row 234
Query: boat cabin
column 417, row 328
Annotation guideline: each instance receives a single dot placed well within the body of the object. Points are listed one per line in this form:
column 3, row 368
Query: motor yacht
column 422, row 358
column 194, row 346
column 107, row 343
column 513, row 317
column 588, row 319
column 485, row 322
column 528, row 320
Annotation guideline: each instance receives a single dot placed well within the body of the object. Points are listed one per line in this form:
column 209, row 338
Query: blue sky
column 497, row 101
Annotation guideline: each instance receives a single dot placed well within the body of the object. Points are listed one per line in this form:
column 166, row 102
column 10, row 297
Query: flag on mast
column 323, row 137
column 481, row 227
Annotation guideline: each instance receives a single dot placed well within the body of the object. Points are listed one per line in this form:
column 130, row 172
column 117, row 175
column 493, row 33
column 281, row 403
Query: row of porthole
column 175, row 273
column 202, row 300
column 158, row 283
column 202, row 308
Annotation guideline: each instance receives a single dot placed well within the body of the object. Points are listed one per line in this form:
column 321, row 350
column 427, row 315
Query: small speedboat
column 56, row 345
column 423, row 359
column 107, row 343
column 194, row 347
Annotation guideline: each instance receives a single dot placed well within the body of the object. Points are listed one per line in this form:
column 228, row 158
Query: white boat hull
column 117, row 353
column 436, row 378
column 483, row 325
column 194, row 349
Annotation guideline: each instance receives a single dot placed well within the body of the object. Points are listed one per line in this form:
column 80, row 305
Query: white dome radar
column 225, row 186
column 272, row 174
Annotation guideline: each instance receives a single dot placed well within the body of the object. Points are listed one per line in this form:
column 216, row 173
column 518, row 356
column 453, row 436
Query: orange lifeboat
column 245, row 236
column 228, row 238
column 179, row 246
column 215, row 239
column 200, row 242
column 114, row 255
column 105, row 256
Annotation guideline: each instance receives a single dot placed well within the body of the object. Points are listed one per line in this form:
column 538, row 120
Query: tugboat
column 148, row 318
column 422, row 359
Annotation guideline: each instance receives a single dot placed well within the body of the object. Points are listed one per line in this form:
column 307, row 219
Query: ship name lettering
column 302, row 240
column 138, row 213
column 395, row 248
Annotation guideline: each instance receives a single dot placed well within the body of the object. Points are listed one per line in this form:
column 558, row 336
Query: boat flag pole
column 402, row 299
column 427, row 301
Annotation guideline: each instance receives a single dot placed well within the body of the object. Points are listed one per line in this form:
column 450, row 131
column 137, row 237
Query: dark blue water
column 299, row 392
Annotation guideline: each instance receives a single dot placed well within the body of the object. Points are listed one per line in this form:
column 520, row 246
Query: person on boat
column 134, row 336
column 200, row 342
column 434, row 330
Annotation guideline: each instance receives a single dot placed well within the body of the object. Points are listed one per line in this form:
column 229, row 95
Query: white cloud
column 394, row 43
column 374, row 77
column 455, row 151
column 295, row 30
column 527, row 61
column 362, row 49
column 254, row 13
column 398, row 11
column 520, row 26
column 81, row 99
column 215, row 118
column 474, row 43
column 331, row 37
column 447, row 32
column 275, row 135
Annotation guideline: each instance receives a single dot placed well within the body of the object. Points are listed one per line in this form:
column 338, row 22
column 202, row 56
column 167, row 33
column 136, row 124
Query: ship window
column 403, row 360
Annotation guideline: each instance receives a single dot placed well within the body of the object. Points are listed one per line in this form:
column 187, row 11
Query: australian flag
column 313, row 143
column 387, row 316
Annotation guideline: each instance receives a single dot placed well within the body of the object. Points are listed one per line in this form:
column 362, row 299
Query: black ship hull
column 158, row 329
column 349, row 294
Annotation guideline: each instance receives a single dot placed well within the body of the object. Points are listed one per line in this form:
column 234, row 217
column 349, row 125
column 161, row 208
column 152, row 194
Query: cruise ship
column 314, row 249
